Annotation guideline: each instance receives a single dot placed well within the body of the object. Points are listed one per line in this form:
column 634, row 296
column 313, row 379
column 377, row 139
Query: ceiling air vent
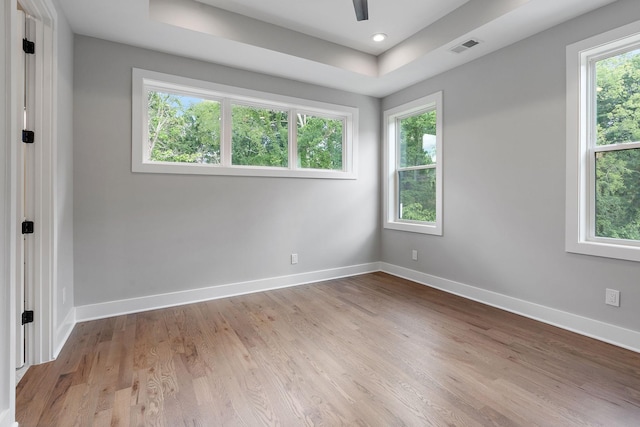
column 464, row 46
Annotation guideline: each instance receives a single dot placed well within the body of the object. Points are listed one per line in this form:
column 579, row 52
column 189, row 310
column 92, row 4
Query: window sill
column 251, row 171
column 433, row 229
column 606, row 250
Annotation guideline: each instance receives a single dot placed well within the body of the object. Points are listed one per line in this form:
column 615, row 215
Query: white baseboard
column 616, row 335
column 153, row 302
column 5, row 421
column 612, row 334
column 63, row 332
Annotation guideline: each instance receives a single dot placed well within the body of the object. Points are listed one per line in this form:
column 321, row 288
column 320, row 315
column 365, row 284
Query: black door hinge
column 27, row 317
column 28, row 46
column 28, row 136
column 27, row 227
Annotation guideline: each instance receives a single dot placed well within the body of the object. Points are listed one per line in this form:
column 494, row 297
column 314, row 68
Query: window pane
column 417, row 195
column 319, row 142
column 418, row 140
column 618, row 99
column 618, row 194
column 183, row 129
column 260, row 136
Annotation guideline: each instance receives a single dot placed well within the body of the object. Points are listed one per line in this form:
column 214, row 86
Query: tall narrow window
column 616, row 147
column 603, row 145
column 413, row 185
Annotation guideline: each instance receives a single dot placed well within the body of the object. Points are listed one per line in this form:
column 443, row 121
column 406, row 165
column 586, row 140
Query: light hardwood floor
column 371, row 350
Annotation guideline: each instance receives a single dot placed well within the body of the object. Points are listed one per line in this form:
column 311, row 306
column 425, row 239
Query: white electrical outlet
column 612, row 297
column 414, row 255
column 294, row 258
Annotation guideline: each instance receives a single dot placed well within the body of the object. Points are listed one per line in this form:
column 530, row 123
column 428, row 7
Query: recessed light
column 379, row 37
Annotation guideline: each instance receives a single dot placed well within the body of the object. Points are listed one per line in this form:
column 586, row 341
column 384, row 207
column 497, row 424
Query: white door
column 26, row 174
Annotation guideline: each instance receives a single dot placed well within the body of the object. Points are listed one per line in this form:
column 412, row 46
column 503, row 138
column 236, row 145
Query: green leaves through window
column 320, row 142
column 617, row 149
column 260, row 136
column 417, row 167
column 188, row 126
column 183, row 129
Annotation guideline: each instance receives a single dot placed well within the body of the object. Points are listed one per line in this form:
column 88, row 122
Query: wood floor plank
column 71, row 413
column 121, row 413
column 370, row 350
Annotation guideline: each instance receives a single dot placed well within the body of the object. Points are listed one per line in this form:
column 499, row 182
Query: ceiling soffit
column 199, row 31
column 197, row 16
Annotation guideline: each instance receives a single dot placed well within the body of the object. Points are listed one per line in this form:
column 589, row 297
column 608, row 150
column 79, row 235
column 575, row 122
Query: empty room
column 336, row 213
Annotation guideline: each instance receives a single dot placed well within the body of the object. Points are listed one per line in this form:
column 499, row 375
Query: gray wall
column 63, row 190
column 147, row 234
column 504, row 180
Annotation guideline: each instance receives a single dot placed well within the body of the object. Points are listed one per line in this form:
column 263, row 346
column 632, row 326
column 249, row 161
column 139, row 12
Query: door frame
column 39, row 343
column 41, row 347
column 25, row 86
column 7, row 219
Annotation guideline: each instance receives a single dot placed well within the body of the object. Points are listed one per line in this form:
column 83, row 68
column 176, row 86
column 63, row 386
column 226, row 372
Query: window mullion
column 396, row 142
column 591, row 206
column 591, row 145
column 293, row 139
column 415, row 168
column 146, row 153
column 396, row 207
column 226, row 125
column 616, row 147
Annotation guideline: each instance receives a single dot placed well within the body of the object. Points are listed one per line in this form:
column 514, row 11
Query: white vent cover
column 465, row 46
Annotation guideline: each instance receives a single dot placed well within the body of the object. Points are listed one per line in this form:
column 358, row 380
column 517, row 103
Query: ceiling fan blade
column 362, row 9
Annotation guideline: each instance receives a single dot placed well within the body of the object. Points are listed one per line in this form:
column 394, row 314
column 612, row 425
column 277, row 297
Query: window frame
column 432, row 102
column 145, row 80
column 581, row 148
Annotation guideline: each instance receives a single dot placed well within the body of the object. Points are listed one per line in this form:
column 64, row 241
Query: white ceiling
column 321, row 42
column 335, row 20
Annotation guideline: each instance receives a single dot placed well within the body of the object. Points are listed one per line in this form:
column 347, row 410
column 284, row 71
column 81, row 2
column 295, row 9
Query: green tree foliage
column 618, row 172
column 165, row 126
column 319, row 142
column 260, row 137
column 188, row 130
column 417, row 187
column 412, row 131
column 183, row 132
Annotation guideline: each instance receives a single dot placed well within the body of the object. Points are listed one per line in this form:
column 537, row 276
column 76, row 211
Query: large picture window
column 603, row 145
column 189, row 126
column 413, row 166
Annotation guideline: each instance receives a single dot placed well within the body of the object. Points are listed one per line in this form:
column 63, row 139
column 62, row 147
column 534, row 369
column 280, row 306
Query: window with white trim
column 603, row 145
column 413, row 166
column 188, row 126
